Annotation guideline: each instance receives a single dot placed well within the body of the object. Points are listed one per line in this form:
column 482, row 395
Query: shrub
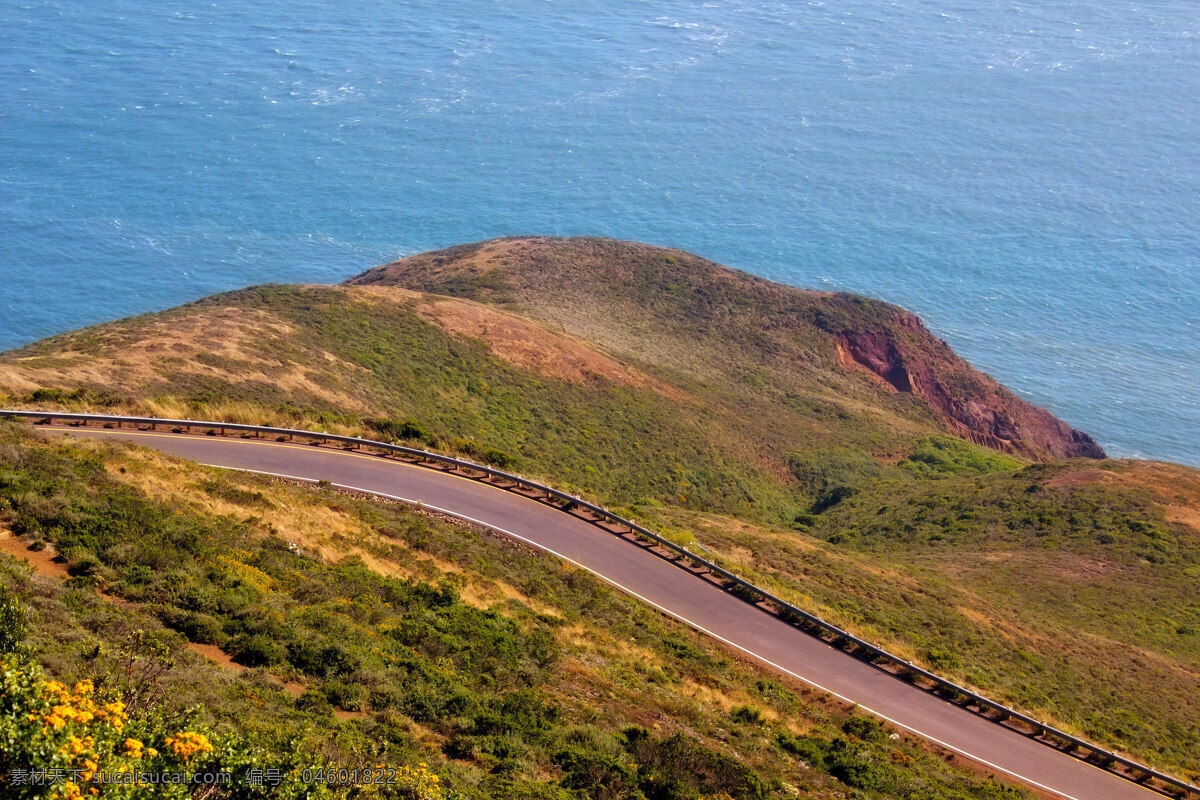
column 498, row 458
column 676, row 767
column 805, row 520
column 866, row 729
column 197, row 627
column 322, row 660
column 746, row 715
column 255, row 651
column 947, row 457
column 84, row 566
column 400, row 429
column 346, row 696
column 602, row 776
column 805, row 748
column 831, row 476
column 12, row 623
column 831, row 497
column 314, row 701
column 856, row 771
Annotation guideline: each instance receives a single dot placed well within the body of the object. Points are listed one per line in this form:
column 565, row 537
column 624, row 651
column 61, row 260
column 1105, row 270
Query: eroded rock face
column 910, row 359
column 879, row 355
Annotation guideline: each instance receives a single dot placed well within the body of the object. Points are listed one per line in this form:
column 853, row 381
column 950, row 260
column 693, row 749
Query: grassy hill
column 737, row 333
column 631, row 373
column 226, row 622
column 824, row 444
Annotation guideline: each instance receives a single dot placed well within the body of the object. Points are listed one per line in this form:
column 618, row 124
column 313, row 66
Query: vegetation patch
column 465, row 702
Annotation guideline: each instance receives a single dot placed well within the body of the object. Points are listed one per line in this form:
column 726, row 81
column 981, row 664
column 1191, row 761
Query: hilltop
column 826, row 445
column 632, row 372
column 719, row 325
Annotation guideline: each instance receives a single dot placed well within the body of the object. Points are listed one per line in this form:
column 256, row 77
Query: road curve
column 670, row 589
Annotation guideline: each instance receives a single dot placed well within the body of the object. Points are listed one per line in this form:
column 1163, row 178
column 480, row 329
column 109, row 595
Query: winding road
column 669, row 588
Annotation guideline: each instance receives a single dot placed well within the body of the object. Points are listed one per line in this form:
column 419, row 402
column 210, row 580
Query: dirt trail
column 44, row 562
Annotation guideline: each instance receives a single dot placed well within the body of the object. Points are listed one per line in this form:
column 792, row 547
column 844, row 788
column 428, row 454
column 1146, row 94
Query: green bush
column 858, row 772
column 830, row 476
column 746, row 715
column 13, row 625
column 598, row 775
column 196, row 626
column 346, row 696
column 498, row 458
column 865, row 728
column 400, row 429
column 255, row 651
column 806, row 748
column 947, row 457
column 314, row 701
column 677, row 767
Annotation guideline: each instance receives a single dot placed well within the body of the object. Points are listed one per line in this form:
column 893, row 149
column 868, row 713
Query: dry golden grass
column 583, row 638
column 729, row 699
column 223, row 342
column 1177, row 488
column 299, row 517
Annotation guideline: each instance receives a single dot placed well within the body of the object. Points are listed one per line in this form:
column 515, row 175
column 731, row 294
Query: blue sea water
column 1024, row 176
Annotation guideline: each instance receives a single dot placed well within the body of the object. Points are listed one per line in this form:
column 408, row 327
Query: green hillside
column 349, row 634
column 825, row 445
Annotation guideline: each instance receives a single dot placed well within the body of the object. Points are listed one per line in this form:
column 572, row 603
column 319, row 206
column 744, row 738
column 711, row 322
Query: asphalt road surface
column 672, row 590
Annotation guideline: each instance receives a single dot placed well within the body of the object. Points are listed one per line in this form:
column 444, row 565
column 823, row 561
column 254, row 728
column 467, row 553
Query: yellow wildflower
column 187, row 744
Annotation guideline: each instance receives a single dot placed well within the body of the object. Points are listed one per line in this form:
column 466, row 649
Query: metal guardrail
column 810, row 623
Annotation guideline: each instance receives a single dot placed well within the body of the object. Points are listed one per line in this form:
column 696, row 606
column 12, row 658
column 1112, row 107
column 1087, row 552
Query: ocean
column 1026, row 177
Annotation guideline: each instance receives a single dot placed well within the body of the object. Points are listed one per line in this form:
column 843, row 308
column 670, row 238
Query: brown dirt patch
column 1187, row 515
column 1175, row 487
column 518, row 340
column 41, row 561
column 1065, row 480
column 217, row 655
column 534, row 347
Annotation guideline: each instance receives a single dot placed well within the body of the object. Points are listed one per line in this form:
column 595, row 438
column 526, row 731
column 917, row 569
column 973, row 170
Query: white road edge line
column 674, row 615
